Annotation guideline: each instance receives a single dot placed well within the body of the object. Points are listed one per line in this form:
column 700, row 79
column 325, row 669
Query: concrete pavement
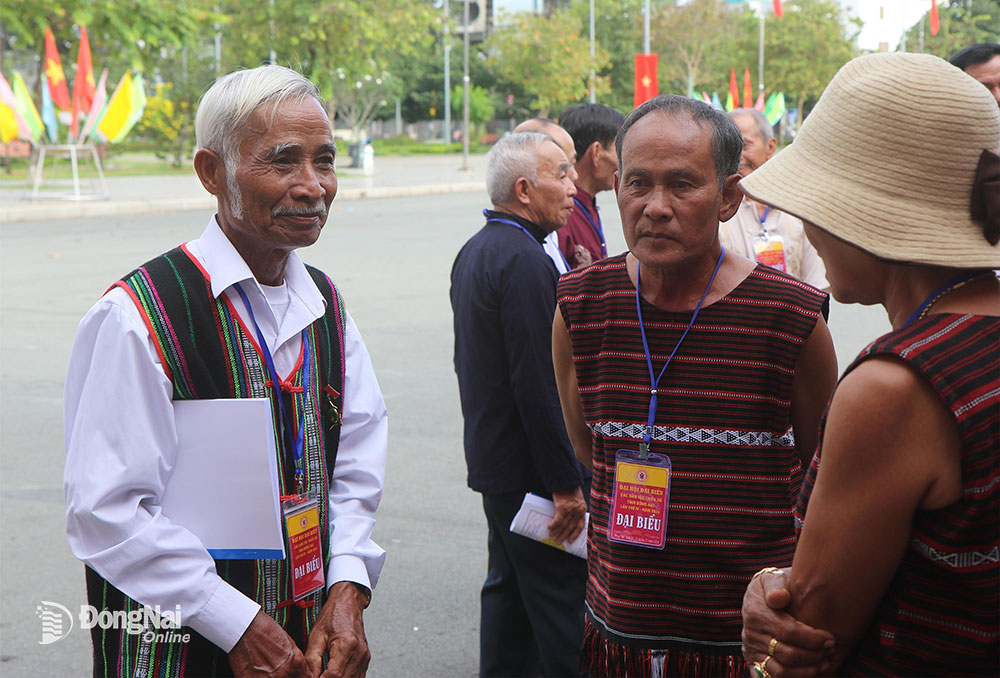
column 394, row 176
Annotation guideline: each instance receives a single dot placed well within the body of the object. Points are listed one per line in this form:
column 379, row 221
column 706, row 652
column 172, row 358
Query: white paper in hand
column 532, row 521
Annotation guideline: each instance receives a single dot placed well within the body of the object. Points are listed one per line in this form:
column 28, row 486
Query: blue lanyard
column 283, row 419
column 767, row 210
column 957, row 281
column 654, row 382
column 597, row 227
column 511, row 222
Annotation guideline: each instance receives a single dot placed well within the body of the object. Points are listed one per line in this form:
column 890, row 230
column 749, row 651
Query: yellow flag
column 119, row 109
column 8, row 124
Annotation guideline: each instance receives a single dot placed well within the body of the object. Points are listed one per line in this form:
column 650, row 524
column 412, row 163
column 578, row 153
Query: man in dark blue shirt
column 503, row 296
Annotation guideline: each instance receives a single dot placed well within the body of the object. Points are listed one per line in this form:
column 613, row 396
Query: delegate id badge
column 305, row 552
column 769, row 249
column 641, row 499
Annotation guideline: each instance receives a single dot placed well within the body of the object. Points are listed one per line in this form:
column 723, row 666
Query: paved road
column 391, row 259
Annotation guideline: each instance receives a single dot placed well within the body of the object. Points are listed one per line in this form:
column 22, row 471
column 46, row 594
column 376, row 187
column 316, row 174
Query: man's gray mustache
column 318, row 210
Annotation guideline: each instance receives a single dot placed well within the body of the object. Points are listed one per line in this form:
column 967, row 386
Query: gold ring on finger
column 770, row 647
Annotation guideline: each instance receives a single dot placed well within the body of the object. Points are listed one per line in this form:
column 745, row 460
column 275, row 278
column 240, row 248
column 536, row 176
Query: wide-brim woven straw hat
column 886, row 161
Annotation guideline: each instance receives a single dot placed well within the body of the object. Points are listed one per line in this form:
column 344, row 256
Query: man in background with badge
column 503, row 294
column 762, row 233
column 232, row 315
column 692, row 382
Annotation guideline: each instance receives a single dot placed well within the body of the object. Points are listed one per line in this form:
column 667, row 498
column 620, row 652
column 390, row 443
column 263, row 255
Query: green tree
column 481, row 108
column 963, row 23
column 805, row 48
column 618, row 31
column 689, row 37
column 546, row 55
column 349, row 48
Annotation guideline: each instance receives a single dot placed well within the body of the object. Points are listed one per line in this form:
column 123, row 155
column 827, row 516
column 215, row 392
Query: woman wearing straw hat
column 897, row 179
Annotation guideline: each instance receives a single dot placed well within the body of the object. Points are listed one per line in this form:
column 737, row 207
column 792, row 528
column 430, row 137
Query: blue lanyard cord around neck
column 654, row 382
column 767, row 210
column 284, row 421
column 511, row 222
column 957, row 281
column 596, row 226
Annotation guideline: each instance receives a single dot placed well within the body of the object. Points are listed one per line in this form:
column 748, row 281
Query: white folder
column 224, row 483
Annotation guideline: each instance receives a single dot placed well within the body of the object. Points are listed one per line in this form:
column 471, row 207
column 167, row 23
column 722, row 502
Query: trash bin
column 354, row 151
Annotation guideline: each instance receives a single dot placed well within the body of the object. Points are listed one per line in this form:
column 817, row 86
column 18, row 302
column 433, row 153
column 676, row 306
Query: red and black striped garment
column 724, row 418
column 941, row 613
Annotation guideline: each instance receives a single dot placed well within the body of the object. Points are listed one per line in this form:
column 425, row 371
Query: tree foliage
column 963, row 23
column 690, row 37
column 547, row 55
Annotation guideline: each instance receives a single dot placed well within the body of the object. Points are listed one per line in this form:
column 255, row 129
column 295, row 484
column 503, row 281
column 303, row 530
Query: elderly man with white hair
column 232, row 314
column 503, row 293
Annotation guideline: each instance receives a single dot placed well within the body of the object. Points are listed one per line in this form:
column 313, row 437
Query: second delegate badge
column 641, row 499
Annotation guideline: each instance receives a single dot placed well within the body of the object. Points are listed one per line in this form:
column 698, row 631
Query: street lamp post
column 465, row 82
column 447, row 74
column 593, row 77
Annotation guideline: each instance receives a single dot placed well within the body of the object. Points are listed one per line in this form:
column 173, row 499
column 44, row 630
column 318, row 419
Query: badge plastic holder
column 769, row 249
column 641, row 499
column 305, row 551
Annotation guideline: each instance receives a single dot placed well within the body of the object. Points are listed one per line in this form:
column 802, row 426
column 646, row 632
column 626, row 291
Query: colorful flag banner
column 138, row 105
column 646, row 86
column 935, row 19
column 83, row 83
column 26, row 107
column 7, row 99
column 119, row 109
column 715, row 101
column 704, row 97
column 778, row 9
column 747, row 89
column 8, row 124
column 760, row 102
column 734, row 92
column 49, row 113
column 54, row 73
column 97, row 107
column 775, row 107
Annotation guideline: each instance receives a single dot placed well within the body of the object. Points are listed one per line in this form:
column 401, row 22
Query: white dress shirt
column 121, row 442
column 551, row 247
column 801, row 259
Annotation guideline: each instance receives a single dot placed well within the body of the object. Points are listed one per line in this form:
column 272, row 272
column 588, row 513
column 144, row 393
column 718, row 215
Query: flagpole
column 645, row 28
column 760, row 51
column 593, row 82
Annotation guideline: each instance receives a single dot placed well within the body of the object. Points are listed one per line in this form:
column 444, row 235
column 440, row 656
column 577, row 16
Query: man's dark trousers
column 528, row 582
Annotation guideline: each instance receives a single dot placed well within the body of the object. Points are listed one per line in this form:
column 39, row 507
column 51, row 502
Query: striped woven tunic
column 723, row 418
column 941, row 613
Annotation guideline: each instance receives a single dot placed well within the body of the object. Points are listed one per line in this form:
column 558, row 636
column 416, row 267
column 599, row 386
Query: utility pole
column 593, row 76
column 270, row 20
column 645, row 28
column 760, row 50
column 465, row 82
column 447, row 74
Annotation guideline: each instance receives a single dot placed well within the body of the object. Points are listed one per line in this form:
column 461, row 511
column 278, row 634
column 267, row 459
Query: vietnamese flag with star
column 645, row 79
column 83, row 83
column 54, row 73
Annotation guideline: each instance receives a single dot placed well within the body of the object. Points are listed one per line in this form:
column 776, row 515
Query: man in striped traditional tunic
column 746, row 363
column 232, row 314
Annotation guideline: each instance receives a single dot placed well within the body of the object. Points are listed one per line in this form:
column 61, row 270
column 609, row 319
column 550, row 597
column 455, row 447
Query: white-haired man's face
column 278, row 191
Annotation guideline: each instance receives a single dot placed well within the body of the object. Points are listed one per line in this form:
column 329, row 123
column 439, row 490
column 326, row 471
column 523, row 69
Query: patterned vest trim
column 208, row 352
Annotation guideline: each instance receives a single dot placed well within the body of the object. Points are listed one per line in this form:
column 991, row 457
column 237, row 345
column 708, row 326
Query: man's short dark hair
column 974, row 55
column 727, row 140
column 588, row 123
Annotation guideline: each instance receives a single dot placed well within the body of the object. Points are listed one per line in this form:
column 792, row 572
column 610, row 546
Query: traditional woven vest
column 207, row 352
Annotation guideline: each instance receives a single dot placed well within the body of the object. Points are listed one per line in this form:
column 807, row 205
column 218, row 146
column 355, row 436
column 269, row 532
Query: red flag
column 778, row 10
column 935, row 20
column 83, row 83
column 54, row 73
column 747, row 89
column 734, row 91
column 645, row 79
